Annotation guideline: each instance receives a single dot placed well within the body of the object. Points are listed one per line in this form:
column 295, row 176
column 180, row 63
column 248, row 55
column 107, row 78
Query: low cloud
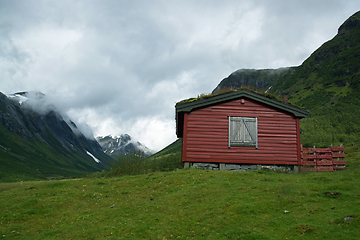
column 42, row 105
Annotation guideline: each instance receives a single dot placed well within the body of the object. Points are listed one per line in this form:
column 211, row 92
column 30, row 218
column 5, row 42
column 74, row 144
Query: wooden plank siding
column 205, row 134
column 183, row 153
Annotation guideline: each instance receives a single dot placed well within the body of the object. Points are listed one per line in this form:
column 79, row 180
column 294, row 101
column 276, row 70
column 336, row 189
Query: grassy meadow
column 187, row 204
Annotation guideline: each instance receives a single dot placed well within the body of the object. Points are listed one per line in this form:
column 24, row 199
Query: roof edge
column 190, row 106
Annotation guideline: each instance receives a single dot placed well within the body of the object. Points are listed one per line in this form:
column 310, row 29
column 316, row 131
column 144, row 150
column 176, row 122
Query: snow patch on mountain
column 95, row 159
column 18, row 97
column 121, row 144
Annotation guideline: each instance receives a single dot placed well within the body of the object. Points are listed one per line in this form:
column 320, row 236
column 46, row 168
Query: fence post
column 308, row 159
column 338, row 156
column 324, row 159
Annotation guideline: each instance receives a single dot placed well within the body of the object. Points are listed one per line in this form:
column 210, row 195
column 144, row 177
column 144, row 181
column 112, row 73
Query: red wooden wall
column 205, row 136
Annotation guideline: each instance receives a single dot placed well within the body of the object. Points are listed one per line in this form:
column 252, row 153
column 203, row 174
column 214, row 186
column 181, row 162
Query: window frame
column 251, row 130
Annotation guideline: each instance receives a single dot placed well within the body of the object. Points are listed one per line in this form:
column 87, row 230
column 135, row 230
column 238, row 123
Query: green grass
column 187, row 204
column 138, row 163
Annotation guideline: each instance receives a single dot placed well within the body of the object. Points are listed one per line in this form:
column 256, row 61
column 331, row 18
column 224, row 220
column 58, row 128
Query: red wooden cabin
column 240, row 127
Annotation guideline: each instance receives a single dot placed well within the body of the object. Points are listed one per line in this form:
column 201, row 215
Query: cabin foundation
column 242, row 167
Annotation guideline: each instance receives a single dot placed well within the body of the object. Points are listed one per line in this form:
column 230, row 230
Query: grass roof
column 228, row 90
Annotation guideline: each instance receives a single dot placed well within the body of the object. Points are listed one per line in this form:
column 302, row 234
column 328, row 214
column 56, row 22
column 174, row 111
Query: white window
column 243, row 132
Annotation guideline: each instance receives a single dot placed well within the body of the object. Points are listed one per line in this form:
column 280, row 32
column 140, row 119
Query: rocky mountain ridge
column 258, row 79
column 121, row 145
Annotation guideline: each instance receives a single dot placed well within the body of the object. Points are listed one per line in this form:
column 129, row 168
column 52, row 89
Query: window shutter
column 243, row 131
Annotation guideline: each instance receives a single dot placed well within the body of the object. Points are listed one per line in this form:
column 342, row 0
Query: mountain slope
column 258, row 79
column 172, row 148
column 327, row 84
column 335, row 62
column 37, row 142
column 121, row 145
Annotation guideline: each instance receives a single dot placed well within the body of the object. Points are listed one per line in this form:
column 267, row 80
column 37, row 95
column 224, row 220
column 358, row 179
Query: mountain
column 121, row 145
column 257, row 79
column 334, row 63
column 39, row 142
column 327, row 83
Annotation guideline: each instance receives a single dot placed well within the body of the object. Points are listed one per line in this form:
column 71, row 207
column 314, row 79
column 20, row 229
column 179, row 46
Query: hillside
column 327, row 84
column 37, row 142
column 187, row 204
column 173, row 148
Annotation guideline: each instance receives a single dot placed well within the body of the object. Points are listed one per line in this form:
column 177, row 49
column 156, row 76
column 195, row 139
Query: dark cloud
column 120, row 66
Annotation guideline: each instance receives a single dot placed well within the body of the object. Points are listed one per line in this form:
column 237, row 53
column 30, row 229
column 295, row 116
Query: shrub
column 138, row 163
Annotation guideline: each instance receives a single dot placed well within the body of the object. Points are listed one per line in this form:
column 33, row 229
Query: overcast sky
column 120, row 66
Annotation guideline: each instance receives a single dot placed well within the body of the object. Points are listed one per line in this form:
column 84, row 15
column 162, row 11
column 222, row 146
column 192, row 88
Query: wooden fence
column 322, row 159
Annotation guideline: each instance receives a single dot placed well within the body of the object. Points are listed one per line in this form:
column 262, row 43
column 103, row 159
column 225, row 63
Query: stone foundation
column 243, row 167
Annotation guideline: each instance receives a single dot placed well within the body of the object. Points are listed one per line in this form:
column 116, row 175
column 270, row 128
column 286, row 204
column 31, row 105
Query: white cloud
column 155, row 132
